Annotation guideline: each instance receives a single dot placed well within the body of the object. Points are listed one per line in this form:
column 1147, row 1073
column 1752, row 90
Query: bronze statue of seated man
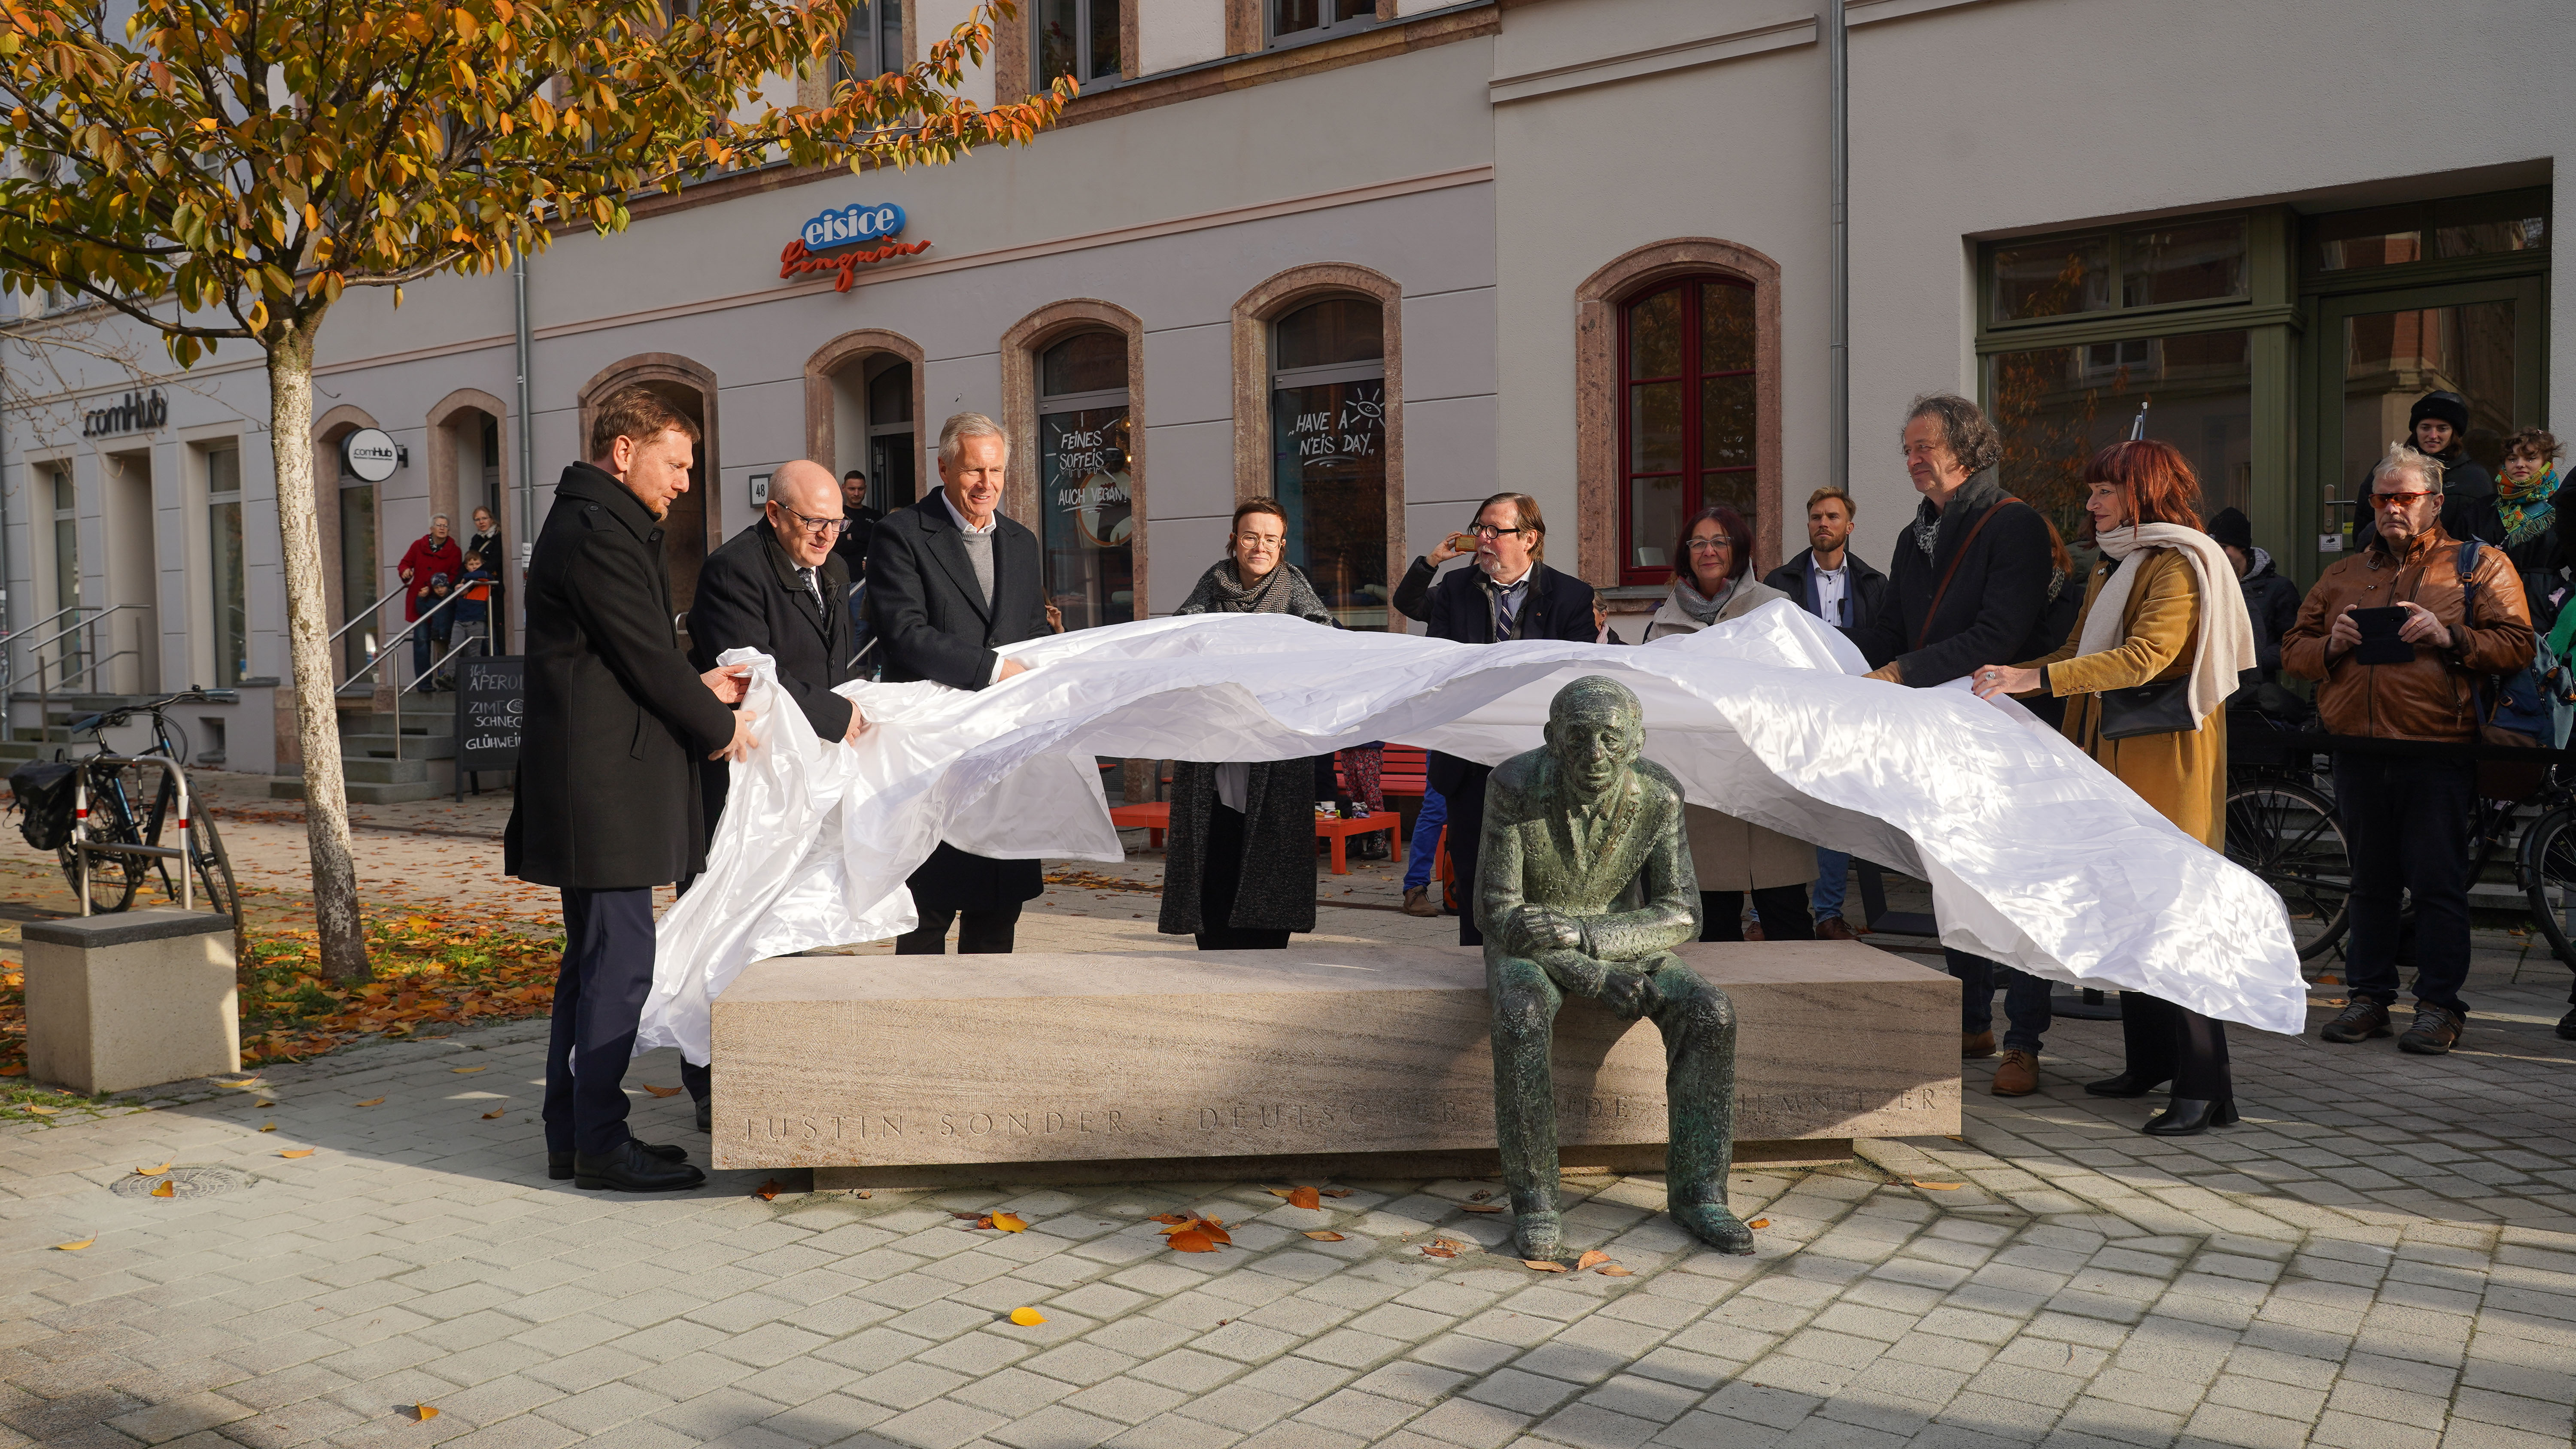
column 1584, row 888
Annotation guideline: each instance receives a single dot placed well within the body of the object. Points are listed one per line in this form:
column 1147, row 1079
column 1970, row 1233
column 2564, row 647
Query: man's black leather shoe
column 2127, row 1084
column 559, row 1164
column 2435, row 1032
column 706, row 1114
column 2567, row 1026
column 2189, row 1117
column 2363, row 1019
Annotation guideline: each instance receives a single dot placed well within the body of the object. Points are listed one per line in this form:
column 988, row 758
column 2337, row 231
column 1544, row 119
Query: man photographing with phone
column 2406, row 815
column 1511, row 593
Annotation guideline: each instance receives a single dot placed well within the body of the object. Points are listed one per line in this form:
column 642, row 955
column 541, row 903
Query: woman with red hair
column 2146, row 677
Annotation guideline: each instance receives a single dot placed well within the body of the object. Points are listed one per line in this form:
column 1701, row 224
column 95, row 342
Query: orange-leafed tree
column 223, row 170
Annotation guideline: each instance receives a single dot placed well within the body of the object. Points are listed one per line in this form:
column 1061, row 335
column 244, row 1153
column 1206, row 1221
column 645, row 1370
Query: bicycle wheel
column 2548, row 866
column 214, row 867
column 113, row 879
column 2287, row 835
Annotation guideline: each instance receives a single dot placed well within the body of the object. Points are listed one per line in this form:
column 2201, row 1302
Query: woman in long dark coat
column 1239, row 868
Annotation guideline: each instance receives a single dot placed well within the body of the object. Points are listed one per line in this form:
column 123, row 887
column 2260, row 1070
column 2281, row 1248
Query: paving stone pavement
column 2382, row 1255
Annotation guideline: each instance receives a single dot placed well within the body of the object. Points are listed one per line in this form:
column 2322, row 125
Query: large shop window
column 872, row 41
column 1328, row 439
column 1686, row 384
column 1078, row 38
column 224, row 565
column 1086, row 495
column 67, row 570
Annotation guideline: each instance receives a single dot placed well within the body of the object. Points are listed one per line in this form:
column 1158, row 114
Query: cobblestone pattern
column 2382, row 1255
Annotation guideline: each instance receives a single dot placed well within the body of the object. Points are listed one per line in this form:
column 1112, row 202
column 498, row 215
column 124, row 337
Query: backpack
column 43, row 792
column 2531, row 707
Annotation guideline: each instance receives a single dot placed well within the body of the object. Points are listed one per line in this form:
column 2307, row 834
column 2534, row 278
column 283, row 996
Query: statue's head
column 1595, row 727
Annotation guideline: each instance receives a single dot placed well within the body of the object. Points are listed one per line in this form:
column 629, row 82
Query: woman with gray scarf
column 1239, row 866
column 1733, row 857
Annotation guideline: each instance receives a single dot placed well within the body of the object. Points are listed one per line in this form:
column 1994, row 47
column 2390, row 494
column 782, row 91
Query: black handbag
column 2162, row 708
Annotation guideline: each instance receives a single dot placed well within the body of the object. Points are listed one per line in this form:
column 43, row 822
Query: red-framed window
column 1686, row 385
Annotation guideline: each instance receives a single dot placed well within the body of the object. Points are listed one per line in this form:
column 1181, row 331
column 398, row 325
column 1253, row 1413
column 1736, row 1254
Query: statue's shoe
column 1542, row 1235
column 1712, row 1224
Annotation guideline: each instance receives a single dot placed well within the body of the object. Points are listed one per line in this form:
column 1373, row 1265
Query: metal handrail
column 385, row 650
column 98, row 664
column 435, row 666
column 103, row 612
column 44, row 691
column 82, row 850
column 359, row 618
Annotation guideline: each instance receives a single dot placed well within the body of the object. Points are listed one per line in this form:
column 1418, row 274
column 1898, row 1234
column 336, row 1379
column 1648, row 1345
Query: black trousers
column 1220, row 878
column 599, row 1001
column 2170, row 1042
column 1782, row 909
column 1466, row 841
column 2406, row 821
column 983, row 933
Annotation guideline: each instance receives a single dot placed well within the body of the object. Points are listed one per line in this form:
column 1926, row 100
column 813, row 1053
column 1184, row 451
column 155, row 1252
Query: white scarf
column 2226, row 643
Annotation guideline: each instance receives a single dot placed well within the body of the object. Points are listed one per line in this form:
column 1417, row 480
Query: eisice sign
column 870, row 226
column 874, row 221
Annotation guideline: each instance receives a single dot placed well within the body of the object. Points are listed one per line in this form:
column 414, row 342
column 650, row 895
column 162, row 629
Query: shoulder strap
column 1947, row 574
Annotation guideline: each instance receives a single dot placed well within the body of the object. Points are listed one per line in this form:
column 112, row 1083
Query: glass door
column 2375, row 353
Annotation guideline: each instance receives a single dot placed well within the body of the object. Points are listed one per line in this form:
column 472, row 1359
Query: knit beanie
column 2232, row 529
column 2449, row 407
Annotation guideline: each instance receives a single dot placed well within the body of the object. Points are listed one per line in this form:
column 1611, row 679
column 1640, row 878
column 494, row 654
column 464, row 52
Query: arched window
column 1328, row 445
column 1686, row 417
column 1085, row 490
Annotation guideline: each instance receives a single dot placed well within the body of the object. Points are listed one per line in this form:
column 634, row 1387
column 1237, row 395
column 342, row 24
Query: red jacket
column 428, row 555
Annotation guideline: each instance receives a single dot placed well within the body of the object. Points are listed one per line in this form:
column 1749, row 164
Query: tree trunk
column 308, row 633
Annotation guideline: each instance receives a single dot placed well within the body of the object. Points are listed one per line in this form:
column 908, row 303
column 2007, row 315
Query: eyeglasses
column 819, row 527
column 1488, row 532
column 1709, row 545
column 2382, row 500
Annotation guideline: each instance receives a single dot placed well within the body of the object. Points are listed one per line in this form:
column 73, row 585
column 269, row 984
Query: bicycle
column 116, row 818
column 2283, row 828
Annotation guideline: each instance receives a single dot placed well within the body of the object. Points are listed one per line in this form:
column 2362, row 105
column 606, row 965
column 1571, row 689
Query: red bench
column 1155, row 817
column 1152, row 816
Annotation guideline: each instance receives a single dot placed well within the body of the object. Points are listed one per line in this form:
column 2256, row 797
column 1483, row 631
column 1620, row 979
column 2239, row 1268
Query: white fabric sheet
column 2037, row 857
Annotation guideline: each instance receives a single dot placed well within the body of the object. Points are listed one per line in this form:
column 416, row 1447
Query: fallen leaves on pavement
column 1759, row 1223
column 1590, row 1258
column 1027, row 1317
column 767, row 1191
column 1613, row 1270
column 495, row 1112
column 648, row 1086
column 1197, row 1235
column 1301, row 1197
column 421, row 1413
column 167, row 1187
column 297, row 1152
column 152, row 1171
column 1323, row 1235
column 373, row 1102
column 73, row 1247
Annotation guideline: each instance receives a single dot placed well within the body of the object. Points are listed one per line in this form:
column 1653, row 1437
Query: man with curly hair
column 1969, row 578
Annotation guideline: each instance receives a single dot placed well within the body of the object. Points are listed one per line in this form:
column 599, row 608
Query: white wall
column 1174, row 33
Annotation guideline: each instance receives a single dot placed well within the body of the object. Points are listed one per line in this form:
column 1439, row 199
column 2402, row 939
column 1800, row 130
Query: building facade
column 1383, row 259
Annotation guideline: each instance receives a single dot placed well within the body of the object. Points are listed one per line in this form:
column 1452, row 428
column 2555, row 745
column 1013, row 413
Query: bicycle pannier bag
column 43, row 789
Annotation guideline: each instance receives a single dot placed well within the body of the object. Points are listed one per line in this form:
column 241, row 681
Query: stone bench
column 1359, row 1061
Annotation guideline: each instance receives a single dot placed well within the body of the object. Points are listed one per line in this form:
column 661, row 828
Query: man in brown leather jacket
column 2406, row 816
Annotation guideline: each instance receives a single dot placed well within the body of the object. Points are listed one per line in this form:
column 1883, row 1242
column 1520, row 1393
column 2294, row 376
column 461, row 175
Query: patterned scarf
column 2527, row 508
column 1690, row 601
column 1268, row 595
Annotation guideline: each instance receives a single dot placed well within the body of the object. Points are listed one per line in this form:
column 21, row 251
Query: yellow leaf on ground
column 495, row 1112
column 166, row 1188
column 1936, row 1186
column 461, row 1071
column 40, row 1111
column 1305, row 1197
column 1325, row 1236
column 661, row 1091
column 373, row 1102
column 1590, row 1258
column 152, row 1171
column 263, row 1104
column 1759, row 1223
column 73, row 1247
column 271, row 1127
column 1010, row 1222
column 1027, row 1317
column 1613, row 1270
column 297, row 1152
column 422, row 1413
column 1191, row 1240
column 1544, row 1265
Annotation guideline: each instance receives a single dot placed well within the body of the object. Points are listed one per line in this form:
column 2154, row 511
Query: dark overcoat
column 750, row 598
column 617, row 719
column 932, row 622
column 1797, row 579
column 1460, row 607
column 1981, row 598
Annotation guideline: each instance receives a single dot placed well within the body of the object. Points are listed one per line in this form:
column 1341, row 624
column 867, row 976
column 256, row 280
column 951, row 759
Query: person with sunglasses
column 2404, row 602
column 1510, row 594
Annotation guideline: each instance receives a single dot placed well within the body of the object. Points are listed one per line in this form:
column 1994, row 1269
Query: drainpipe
column 527, row 433
column 1838, row 298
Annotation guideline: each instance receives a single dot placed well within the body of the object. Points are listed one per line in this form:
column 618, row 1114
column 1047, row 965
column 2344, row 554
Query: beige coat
column 1732, row 854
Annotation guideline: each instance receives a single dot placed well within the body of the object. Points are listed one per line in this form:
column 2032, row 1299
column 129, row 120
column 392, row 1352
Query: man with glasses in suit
column 777, row 587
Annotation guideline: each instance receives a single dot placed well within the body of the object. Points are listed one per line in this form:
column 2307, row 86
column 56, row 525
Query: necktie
column 1503, row 624
column 822, row 612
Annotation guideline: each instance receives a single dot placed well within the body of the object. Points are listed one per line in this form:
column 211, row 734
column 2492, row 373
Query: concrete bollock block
column 131, row 1000
column 1073, row 1067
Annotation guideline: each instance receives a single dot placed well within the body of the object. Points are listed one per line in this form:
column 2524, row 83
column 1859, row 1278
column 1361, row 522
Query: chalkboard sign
column 490, row 703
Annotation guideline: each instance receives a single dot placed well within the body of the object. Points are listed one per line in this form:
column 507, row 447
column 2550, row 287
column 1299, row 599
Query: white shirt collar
column 962, row 525
column 1516, row 583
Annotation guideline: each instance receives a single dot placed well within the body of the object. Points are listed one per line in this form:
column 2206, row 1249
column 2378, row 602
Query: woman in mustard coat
column 2162, row 608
